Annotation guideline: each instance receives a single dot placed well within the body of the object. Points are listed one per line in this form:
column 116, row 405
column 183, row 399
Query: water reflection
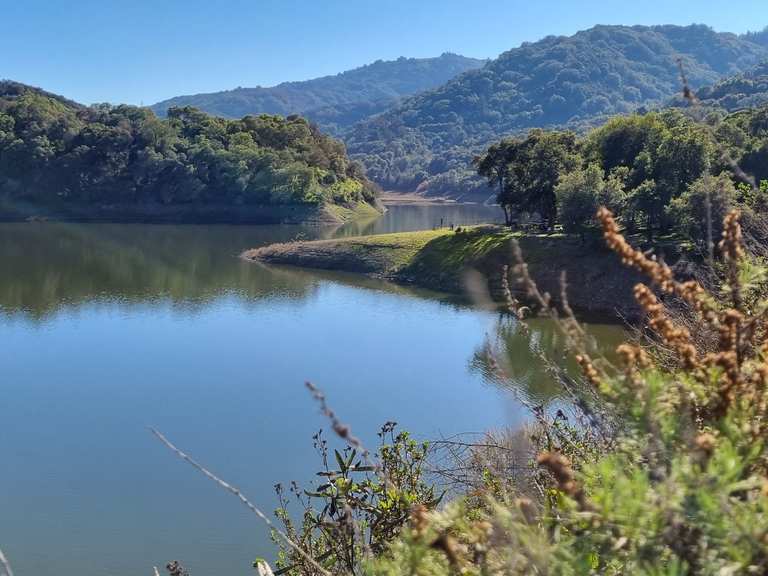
column 44, row 266
column 520, row 353
column 407, row 218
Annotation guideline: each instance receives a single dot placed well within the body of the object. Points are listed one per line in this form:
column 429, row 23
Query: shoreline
column 444, row 261
column 311, row 215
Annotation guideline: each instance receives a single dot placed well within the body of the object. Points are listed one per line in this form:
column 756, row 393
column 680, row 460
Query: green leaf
column 340, row 460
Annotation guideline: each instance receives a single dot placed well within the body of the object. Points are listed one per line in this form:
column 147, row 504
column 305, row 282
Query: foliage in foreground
column 360, row 506
column 679, row 487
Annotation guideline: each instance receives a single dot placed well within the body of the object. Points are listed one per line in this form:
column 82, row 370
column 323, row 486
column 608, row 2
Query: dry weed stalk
column 5, row 564
column 560, row 467
column 247, row 503
column 342, row 430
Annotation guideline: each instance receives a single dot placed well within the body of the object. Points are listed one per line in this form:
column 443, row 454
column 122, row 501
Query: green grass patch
column 359, row 211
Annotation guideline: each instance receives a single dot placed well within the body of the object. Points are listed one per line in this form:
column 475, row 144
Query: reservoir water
column 106, row 329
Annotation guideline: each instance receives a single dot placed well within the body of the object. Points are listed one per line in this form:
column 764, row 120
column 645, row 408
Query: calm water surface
column 106, row 329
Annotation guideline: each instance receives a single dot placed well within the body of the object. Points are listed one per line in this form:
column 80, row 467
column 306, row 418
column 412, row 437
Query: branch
column 248, row 504
column 5, row 564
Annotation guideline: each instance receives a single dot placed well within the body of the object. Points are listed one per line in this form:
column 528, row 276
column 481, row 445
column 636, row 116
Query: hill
column 746, row 90
column 428, row 140
column 333, row 102
column 122, row 162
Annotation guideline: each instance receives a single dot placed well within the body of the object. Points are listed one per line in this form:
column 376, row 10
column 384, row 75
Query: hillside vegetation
column 333, row 102
column 745, row 90
column 428, row 140
column 58, row 154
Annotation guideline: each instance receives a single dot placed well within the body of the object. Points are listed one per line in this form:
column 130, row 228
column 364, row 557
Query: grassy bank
column 440, row 259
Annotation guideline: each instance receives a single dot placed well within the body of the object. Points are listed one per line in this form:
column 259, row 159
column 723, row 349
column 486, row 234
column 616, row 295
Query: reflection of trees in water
column 520, row 355
column 46, row 266
column 404, row 218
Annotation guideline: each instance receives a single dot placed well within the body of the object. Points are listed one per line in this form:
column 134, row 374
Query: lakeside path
column 441, row 260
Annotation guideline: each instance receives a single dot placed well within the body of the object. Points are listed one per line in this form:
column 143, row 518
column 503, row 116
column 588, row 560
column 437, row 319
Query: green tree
column 494, row 166
column 579, row 195
column 527, row 171
column 56, row 153
column 699, row 211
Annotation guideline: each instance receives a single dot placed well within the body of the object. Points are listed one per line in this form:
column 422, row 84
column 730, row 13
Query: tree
column 579, row 195
column 699, row 211
column 494, row 166
column 681, row 158
column 55, row 152
column 527, row 171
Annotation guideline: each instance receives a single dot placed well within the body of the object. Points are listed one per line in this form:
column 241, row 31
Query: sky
column 140, row 51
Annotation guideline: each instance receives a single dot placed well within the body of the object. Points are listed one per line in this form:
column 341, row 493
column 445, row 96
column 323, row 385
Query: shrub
column 360, row 506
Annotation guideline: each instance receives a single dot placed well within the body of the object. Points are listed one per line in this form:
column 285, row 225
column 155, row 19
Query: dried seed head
column 588, row 369
column 732, row 244
column 677, row 338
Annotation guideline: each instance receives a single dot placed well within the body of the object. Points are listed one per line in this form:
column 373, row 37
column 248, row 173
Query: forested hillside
column 736, row 92
column 578, row 81
column 333, row 102
column 56, row 153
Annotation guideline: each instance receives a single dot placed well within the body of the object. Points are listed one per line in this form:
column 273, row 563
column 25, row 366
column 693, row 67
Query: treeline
column 574, row 82
column 53, row 151
column 661, row 172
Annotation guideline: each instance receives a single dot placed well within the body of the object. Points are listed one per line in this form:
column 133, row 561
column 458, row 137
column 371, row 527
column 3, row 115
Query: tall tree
column 494, row 166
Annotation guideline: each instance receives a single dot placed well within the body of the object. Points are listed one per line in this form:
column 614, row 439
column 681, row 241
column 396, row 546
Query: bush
column 360, row 506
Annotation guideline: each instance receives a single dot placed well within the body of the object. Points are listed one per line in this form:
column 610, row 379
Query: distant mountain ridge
column 428, row 140
column 333, row 102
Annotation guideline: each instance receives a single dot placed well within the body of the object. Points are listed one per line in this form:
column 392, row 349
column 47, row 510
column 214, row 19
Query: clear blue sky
column 143, row 51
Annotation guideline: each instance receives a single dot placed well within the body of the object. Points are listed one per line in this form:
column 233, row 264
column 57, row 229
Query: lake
column 106, row 329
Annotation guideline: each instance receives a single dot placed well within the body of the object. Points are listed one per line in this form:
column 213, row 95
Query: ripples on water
column 108, row 328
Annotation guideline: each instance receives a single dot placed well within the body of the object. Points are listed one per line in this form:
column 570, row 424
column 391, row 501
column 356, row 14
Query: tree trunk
column 649, row 228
